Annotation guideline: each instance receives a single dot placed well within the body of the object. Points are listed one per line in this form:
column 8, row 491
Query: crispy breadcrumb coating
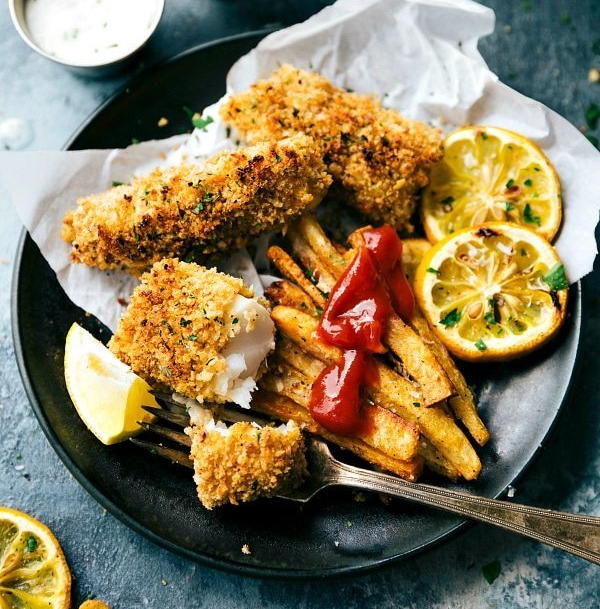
column 197, row 209
column 177, row 325
column 380, row 158
column 244, row 461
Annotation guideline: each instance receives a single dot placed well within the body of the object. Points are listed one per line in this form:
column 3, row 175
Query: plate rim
column 225, row 564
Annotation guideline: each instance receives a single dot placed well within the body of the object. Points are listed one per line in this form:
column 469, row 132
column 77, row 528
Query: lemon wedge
column 490, row 174
column 33, row 571
column 493, row 292
column 108, row 396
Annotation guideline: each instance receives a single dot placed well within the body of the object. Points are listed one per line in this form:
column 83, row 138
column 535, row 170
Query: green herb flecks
column 529, row 216
column 528, row 182
column 510, row 184
column 184, row 322
column 555, row 278
column 31, row 543
column 481, row 346
column 451, row 319
column 592, row 115
column 117, row 183
column 199, row 121
column 509, row 206
column 491, row 571
column 432, row 270
column 311, row 276
column 489, row 317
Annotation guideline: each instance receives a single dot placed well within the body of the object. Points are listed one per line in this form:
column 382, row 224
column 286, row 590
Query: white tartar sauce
column 90, row 32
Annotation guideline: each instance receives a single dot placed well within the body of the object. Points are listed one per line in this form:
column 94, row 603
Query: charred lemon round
column 493, row 292
column 491, row 174
column 33, row 569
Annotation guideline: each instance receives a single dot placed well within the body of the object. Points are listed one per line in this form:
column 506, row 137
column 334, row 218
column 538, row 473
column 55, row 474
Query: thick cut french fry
column 310, row 261
column 381, row 428
column 462, row 404
column 394, row 392
column 435, row 461
column 284, row 409
column 289, row 294
column 418, row 360
column 288, row 268
column 299, row 359
column 335, row 260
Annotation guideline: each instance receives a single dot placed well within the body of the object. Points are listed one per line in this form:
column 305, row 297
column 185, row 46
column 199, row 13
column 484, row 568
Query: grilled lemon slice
column 492, row 292
column 107, row 395
column 490, row 174
column 33, row 571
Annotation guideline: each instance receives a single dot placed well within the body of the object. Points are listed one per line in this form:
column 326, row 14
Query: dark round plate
column 333, row 534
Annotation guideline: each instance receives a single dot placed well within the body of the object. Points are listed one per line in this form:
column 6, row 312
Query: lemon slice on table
column 490, row 174
column 33, row 571
column 492, row 292
column 107, row 395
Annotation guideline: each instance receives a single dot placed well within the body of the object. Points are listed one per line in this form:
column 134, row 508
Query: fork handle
column 577, row 534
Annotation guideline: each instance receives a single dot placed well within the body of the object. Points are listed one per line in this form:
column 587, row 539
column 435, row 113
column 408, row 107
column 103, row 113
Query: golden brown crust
column 379, row 157
column 204, row 209
column 246, row 462
column 176, row 326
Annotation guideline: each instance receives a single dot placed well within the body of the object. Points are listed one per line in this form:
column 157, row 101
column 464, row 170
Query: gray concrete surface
column 542, row 48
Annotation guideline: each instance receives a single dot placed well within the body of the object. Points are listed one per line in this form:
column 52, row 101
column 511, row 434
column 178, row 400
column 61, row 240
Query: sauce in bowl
column 91, row 32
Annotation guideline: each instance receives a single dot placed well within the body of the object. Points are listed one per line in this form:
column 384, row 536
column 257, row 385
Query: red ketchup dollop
column 370, row 289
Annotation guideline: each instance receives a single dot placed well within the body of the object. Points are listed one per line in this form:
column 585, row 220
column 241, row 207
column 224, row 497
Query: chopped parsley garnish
column 432, row 270
column 208, row 196
column 134, row 140
column 32, row 544
column 417, row 404
column 198, row 208
column 278, row 158
column 528, row 182
column 523, row 252
column 185, row 322
column 510, row 183
column 117, row 183
column 592, row 115
column 311, row 276
column 192, row 337
column 491, row 571
column 447, row 200
column 227, row 132
column 480, row 345
column 318, row 309
column 529, row 217
column 509, row 206
column 489, row 317
column 555, row 278
column 199, row 121
column 235, row 320
column 451, row 319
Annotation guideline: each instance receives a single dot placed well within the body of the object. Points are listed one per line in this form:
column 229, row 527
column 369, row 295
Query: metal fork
column 573, row 533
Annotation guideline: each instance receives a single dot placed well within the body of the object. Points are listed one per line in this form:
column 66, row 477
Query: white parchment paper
column 420, row 56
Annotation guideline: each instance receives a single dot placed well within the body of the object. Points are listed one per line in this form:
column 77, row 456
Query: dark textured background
column 542, row 48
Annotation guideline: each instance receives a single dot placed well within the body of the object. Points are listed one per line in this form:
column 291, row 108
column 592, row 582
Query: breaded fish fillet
column 203, row 208
column 244, row 461
column 380, row 158
column 195, row 331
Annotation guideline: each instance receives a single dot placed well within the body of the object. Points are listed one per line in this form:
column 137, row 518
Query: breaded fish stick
column 380, row 158
column 197, row 209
